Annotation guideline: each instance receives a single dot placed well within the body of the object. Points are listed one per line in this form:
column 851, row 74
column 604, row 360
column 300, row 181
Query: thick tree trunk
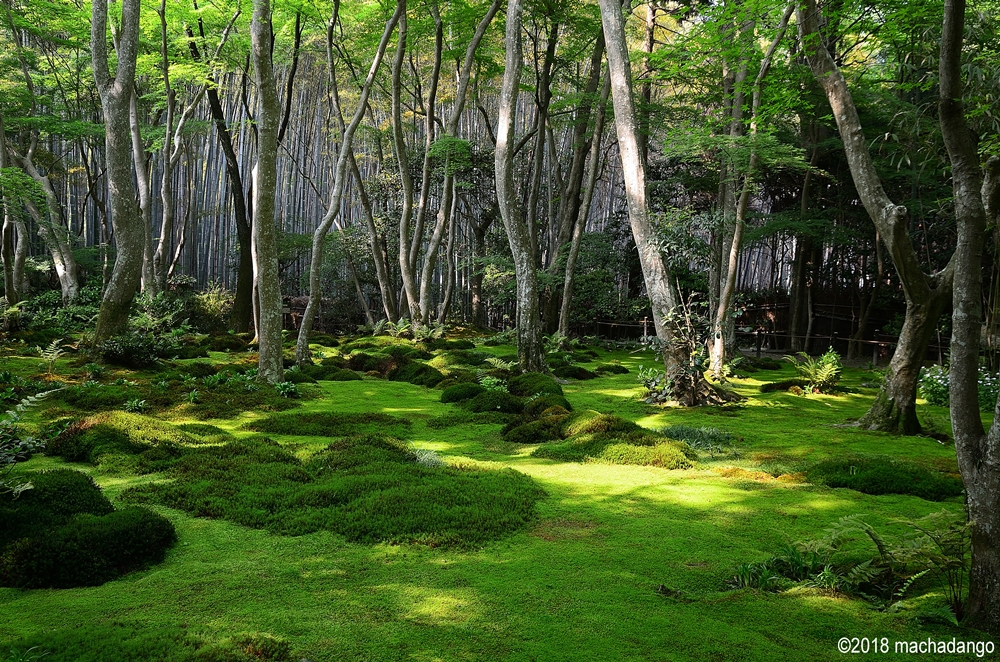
column 978, row 452
column 530, row 350
column 662, row 297
column 265, row 240
column 116, row 95
column 924, row 294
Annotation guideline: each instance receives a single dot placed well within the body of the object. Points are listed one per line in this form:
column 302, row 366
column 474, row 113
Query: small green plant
column 821, row 374
column 15, row 446
column 493, row 383
column 135, row 406
column 50, row 355
column 287, row 389
column 429, row 332
column 400, row 328
column 500, row 364
column 94, row 371
column 192, row 397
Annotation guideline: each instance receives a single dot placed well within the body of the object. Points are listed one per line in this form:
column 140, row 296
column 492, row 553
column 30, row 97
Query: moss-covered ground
column 620, row 563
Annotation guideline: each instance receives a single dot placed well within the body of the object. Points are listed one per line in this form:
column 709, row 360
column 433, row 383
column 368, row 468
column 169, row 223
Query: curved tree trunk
column 926, row 296
column 116, row 95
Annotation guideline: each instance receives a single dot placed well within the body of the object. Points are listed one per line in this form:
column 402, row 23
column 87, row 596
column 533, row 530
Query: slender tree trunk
column 663, row 299
column 144, row 189
column 978, row 452
column 530, row 352
column 265, row 240
column 375, row 243
column 116, row 95
column 926, row 296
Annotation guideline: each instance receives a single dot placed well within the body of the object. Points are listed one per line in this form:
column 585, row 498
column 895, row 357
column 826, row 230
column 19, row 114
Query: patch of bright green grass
column 331, row 424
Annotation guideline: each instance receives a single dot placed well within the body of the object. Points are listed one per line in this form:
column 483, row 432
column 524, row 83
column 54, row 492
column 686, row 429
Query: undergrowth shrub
column 368, row 488
column 331, row 424
column 134, row 350
column 875, row 475
column 934, row 387
column 821, row 374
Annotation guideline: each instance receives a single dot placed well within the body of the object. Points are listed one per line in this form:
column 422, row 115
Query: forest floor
column 621, row 562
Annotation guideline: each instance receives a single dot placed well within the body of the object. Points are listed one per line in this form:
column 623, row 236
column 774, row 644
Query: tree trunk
column 375, row 243
column 116, row 94
column 661, row 294
column 530, row 352
column 302, row 353
column 978, row 453
column 144, row 187
column 265, row 240
column 893, row 410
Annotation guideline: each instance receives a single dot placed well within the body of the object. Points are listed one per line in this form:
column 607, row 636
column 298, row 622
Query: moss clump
column 535, row 407
column 419, row 374
column 878, row 475
column 199, row 369
column 535, row 432
column 458, row 357
column 463, row 417
column 460, row 343
column 783, row 385
column 299, row 377
column 611, row 369
column 226, row 343
column 495, row 401
column 331, row 424
column 324, row 339
column 365, row 362
column 331, row 373
column 203, row 430
column 406, row 351
column 461, row 392
column 533, row 383
column 368, row 488
column 64, row 533
column 122, row 442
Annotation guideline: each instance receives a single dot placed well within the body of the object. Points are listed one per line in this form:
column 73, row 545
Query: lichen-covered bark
column 116, row 94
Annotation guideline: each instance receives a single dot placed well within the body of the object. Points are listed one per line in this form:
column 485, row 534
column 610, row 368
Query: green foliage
column 875, row 475
column 366, row 488
column 699, row 438
column 611, row 369
column 535, row 432
column 461, row 392
column 419, row 374
column 15, row 446
column 134, row 350
column 574, row 372
column 821, row 374
column 491, row 383
column 330, row 373
column 784, row 385
column 50, row 355
column 211, row 309
column 934, row 385
column 534, row 383
column 287, row 389
column 495, row 401
column 534, row 407
column 135, row 406
column 331, row 424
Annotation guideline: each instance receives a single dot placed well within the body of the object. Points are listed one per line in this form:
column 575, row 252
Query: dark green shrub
column 365, row 362
column 406, row 351
column 461, row 392
column 368, row 488
column 88, row 551
column 611, row 369
column 495, row 401
column 331, row 424
column 134, row 350
column 532, row 383
column 885, row 476
column 419, row 374
column 573, row 372
column 534, row 408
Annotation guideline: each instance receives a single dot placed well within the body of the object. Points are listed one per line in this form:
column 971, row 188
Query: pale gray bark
column 978, row 452
column 144, row 187
column 662, row 297
column 529, row 331
column 116, row 94
column 264, row 231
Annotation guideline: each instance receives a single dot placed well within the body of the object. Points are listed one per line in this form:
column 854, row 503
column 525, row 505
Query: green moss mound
column 464, row 417
column 535, row 432
column 591, row 436
column 365, row 362
column 122, row 442
column 64, row 533
column 100, row 643
column 535, row 407
column 368, row 488
column 324, row 339
column 203, row 430
column 533, row 383
column 495, row 401
column 331, row 424
column 459, row 343
column 226, row 343
column 299, row 377
column 199, row 369
column 332, row 372
column 457, row 357
column 461, row 392
column 876, row 475
column 611, row 369
column 574, row 372
column 783, row 385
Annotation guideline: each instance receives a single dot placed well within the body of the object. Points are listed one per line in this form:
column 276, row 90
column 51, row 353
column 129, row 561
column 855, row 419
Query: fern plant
column 50, row 355
column 822, row 374
column 400, row 328
column 14, row 446
column 500, row 364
